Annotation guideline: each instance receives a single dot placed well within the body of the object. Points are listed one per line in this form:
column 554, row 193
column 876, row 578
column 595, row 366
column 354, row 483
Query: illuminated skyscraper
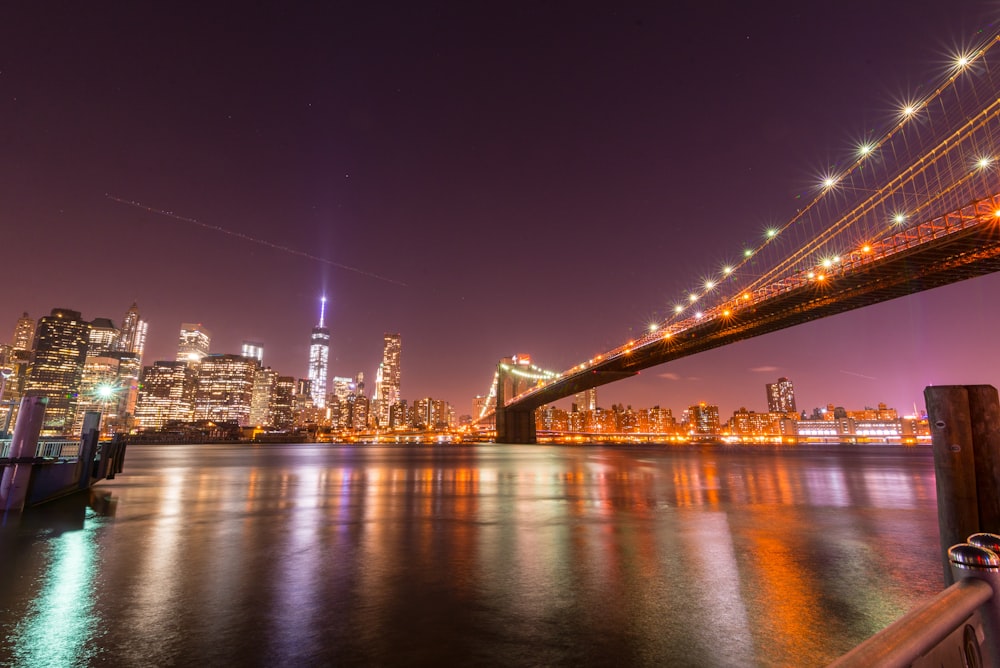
column 194, row 343
column 24, row 334
column 264, row 382
column 254, row 350
column 167, row 394
column 133, row 332
column 319, row 355
column 387, row 385
column 56, row 367
column 781, row 396
column 586, row 400
column 225, row 389
column 103, row 337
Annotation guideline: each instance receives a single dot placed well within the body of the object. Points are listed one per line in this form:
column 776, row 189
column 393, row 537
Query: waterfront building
column 56, row 367
column 550, row 418
column 133, row 333
column 387, row 385
column 264, row 384
column 225, row 389
column 430, row 413
column 193, row 343
column 781, row 396
column 166, row 395
column 254, row 350
column 751, row 423
column 399, row 415
column 703, row 420
column 661, row 420
column 319, row 356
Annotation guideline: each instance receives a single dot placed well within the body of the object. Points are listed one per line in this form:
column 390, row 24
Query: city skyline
column 472, row 169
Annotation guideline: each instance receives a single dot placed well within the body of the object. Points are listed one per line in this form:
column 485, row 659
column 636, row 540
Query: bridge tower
column 513, row 425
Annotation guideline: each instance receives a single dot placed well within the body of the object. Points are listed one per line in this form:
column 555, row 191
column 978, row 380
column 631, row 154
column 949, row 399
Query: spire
column 322, row 310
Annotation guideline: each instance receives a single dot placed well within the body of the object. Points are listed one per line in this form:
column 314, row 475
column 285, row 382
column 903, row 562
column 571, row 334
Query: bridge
column 916, row 207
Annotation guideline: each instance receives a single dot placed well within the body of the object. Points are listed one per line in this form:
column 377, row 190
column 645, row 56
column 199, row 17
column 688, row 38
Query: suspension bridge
column 916, row 207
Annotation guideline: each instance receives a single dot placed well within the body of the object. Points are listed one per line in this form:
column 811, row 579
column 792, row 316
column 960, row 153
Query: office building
column 225, row 389
column 254, row 350
column 387, row 382
column 319, row 356
column 193, row 344
column 56, row 367
column 781, row 396
column 133, row 333
column 167, row 395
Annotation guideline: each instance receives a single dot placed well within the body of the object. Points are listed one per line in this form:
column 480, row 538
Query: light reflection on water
column 502, row 555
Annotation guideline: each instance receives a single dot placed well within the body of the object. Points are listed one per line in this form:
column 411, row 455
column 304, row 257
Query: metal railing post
column 979, row 559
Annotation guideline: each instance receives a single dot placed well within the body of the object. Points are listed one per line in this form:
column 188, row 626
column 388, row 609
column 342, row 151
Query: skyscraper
column 24, row 334
column 319, row 355
column 586, row 400
column 387, row 385
column 167, row 394
column 133, row 332
column 254, row 350
column 56, row 367
column 194, row 343
column 781, row 396
column 225, row 389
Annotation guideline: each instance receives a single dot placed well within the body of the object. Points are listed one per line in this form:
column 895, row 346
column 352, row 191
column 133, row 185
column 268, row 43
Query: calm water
column 490, row 555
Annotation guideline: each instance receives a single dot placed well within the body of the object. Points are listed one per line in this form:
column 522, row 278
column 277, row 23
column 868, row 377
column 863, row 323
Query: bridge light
column 666, row 335
column 709, row 285
column 899, row 219
column 746, row 295
column 771, row 233
column 866, row 249
column 829, row 182
column 827, row 263
column 699, row 315
column 678, row 308
column 909, row 110
column 726, row 313
column 692, row 297
column 810, row 275
column 996, row 214
column 821, row 277
column 866, row 149
column 653, row 327
column 747, row 252
column 961, row 61
column 984, row 162
column 727, row 270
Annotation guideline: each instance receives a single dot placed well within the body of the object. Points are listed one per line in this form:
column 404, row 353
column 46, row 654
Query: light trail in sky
column 254, row 240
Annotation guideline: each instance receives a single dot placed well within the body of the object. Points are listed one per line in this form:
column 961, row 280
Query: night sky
column 485, row 179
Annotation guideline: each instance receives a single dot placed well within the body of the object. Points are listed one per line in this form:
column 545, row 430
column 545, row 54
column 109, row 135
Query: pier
column 34, row 471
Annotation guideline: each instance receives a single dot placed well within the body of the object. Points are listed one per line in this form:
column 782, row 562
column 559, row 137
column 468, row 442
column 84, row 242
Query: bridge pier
column 515, row 426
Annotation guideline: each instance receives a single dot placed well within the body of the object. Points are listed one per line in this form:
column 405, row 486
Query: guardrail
column 964, row 619
column 55, row 449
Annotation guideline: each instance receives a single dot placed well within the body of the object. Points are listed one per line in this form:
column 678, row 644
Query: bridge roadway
column 953, row 247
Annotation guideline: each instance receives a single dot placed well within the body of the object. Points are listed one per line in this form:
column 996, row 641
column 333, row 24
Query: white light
column 747, row 253
column 771, row 233
column 678, row 308
column 709, row 285
column 653, row 327
column 727, row 270
column 692, row 297
column 865, row 149
column 962, row 61
column 828, row 182
column 699, row 315
column 909, row 110
column 984, row 162
column 899, row 219
column 828, row 263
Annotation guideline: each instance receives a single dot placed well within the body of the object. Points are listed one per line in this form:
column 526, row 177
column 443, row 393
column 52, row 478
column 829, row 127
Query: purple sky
column 534, row 177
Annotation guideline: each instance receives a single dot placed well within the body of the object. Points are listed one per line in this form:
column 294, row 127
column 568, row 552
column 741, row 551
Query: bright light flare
column 899, row 218
column 865, row 149
column 984, row 162
column 709, row 285
column 727, row 270
column 747, row 253
column 692, row 297
column 866, row 249
column 771, row 233
column 829, row 182
column 909, row 110
column 678, row 308
column 653, row 327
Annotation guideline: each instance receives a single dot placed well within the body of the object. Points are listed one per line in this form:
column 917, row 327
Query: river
column 302, row 555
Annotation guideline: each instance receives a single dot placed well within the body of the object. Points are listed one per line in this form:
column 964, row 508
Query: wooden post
column 964, row 423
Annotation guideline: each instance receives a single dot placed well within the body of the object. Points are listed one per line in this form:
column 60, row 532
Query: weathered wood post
column 17, row 477
column 965, row 438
